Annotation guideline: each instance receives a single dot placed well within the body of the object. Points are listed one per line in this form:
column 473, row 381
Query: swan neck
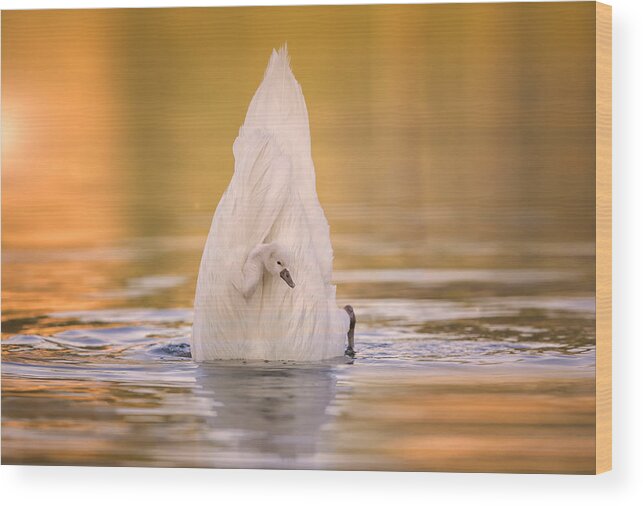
column 253, row 268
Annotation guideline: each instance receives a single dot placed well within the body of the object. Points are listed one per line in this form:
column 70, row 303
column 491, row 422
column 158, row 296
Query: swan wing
column 278, row 114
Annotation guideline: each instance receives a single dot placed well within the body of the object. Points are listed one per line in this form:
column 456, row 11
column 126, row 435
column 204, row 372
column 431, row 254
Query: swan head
column 276, row 263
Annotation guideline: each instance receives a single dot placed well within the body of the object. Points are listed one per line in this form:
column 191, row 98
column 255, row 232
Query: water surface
column 500, row 379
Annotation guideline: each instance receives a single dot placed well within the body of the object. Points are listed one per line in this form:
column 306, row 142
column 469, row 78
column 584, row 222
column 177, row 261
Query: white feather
column 271, row 200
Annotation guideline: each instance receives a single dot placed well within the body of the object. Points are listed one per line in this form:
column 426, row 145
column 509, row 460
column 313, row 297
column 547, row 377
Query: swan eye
column 279, row 263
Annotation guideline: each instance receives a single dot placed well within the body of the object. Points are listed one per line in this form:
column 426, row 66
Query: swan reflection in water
column 267, row 415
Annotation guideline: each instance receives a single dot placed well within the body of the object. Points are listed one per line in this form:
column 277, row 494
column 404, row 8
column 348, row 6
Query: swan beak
column 285, row 275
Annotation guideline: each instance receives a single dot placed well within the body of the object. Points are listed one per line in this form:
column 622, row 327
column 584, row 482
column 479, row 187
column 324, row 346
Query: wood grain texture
column 603, row 238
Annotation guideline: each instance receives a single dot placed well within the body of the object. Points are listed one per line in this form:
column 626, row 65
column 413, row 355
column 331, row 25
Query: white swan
column 268, row 226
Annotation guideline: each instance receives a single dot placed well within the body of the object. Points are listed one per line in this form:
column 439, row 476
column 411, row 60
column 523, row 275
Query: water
column 501, row 378
column 458, row 180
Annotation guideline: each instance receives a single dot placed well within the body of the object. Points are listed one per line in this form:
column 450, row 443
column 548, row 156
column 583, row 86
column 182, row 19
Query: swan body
column 264, row 289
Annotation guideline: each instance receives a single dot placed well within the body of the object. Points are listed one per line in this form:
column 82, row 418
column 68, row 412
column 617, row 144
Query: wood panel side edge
column 603, row 238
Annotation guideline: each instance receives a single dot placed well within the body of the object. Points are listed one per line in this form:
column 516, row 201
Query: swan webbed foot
column 350, row 349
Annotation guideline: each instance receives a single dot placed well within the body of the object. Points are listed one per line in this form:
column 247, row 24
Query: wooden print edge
column 603, row 238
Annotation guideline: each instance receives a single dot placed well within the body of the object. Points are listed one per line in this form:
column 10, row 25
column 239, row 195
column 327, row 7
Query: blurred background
column 443, row 136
